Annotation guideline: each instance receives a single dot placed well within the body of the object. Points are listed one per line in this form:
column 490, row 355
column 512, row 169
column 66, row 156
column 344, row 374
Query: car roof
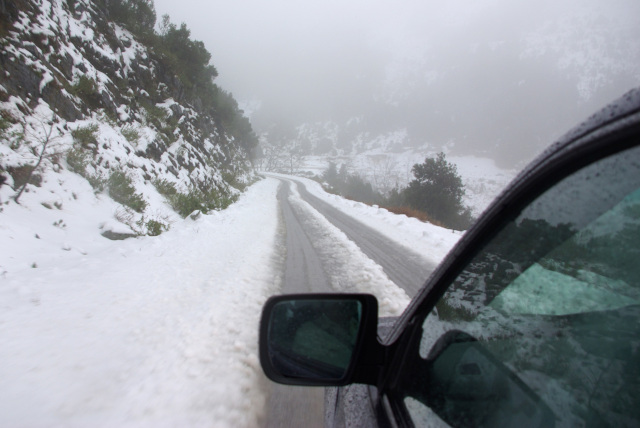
column 614, row 121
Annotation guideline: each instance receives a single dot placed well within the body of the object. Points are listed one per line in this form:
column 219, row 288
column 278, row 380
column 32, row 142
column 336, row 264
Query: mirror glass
column 313, row 339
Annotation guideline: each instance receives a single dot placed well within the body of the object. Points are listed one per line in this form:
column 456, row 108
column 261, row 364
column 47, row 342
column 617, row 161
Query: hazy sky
column 450, row 59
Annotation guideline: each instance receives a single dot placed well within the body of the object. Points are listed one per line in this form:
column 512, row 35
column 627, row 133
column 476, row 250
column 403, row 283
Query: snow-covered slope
column 81, row 93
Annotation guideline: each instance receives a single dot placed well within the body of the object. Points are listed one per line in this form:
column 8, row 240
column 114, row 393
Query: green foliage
column 233, row 119
column 150, row 227
column 4, row 126
column 437, row 190
column 350, row 186
column 131, row 134
column 155, row 228
column 138, row 16
column 85, row 136
column 189, row 59
column 121, row 189
column 87, row 90
column 233, row 180
column 97, row 182
column 78, row 160
column 195, row 199
column 155, row 115
column 186, row 203
column 165, row 187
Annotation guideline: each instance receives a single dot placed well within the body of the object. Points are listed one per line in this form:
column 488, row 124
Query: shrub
column 121, row 189
column 155, row 115
column 4, row 125
column 185, row 204
column 131, row 134
column 85, row 136
column 139, row 16
column 233, row 180
column 87, row 90
column 77, row 160
column 196, row 199
column 438, row 190
column 155, row 227
column 165, row 187
column 97, row 182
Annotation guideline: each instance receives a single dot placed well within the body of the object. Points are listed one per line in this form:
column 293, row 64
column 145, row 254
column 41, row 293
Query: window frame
column 564, row 159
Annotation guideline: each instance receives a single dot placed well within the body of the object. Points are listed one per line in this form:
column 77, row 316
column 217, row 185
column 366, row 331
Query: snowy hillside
column 82, row 93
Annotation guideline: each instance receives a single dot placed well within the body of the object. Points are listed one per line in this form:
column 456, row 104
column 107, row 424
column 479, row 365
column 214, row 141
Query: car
column 532, row 320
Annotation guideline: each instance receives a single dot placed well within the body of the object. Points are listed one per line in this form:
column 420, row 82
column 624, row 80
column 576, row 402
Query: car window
column 555, row 298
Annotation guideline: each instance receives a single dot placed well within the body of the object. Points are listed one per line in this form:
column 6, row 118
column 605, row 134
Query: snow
column 151, row 331
column 430, row 242
column 154, row 331
column 350, row 269
column 483, row 180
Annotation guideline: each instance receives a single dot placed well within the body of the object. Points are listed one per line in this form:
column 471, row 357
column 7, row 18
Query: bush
column 437, row 190
column 121, row 189
column 4, row 125
column 155, row 115
column 131, row 134
column 185, row 204
column 155, row 228
column 87, row 90
column 85, row 136
column 139, row 16
column 165, row 187
column 196, row 199
column 97, row 182
column 77, row 160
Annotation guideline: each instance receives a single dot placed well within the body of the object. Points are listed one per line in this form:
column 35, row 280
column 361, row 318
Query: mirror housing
column 320, row 339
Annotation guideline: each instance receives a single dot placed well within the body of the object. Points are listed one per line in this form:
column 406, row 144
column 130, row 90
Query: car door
column 533, row 320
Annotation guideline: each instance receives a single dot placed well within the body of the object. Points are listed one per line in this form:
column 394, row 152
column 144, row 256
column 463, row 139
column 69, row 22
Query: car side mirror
column 468, row 386
column 318, row 339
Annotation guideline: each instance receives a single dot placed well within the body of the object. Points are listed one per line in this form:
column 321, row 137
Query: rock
column 115, row 236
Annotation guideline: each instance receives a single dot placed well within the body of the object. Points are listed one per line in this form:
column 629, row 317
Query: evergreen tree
column 437, row 190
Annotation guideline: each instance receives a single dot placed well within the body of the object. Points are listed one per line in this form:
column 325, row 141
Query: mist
column 496, row 78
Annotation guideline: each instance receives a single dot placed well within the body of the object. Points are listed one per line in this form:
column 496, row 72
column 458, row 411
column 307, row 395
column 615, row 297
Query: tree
column 330, row 175
column 437, row 190
column 139, row 16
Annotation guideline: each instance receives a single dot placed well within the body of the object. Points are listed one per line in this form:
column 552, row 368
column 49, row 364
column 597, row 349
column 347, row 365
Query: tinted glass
column 314, row 339
column 555, row 297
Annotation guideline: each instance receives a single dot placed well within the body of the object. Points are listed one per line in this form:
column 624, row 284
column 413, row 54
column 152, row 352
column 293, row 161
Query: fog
column 493, row 77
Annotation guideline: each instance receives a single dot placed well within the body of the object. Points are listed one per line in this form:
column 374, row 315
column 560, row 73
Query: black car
column 531, row 320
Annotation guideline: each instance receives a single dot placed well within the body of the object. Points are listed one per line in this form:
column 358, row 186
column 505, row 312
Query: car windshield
column 555, row 295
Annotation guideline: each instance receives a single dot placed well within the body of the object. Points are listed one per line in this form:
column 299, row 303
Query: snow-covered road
column 160, row 331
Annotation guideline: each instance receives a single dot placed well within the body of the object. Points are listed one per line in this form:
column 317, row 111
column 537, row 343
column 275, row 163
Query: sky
column 480, row 73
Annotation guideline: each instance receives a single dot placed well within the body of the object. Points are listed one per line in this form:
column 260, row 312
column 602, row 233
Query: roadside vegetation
column 187, row 59
column 434, row 195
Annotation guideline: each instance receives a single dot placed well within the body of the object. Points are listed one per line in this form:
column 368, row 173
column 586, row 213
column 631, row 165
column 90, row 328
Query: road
column 305, row 273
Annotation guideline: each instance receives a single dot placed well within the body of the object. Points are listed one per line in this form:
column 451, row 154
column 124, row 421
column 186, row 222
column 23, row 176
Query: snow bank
column 349, row 269
column 430, row 242
column 145, row 332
